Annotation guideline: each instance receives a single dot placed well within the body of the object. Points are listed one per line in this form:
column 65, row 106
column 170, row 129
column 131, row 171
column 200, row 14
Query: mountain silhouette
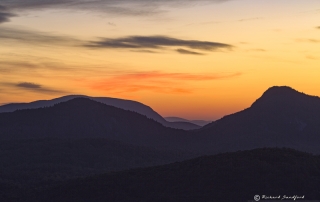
column 120, row 103
column 225, row 177
column 42, row 150
column 85, row 118
column 78, row 138
column 281, row 117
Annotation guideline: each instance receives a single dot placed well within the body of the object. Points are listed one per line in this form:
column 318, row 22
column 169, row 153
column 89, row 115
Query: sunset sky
column 196, row 59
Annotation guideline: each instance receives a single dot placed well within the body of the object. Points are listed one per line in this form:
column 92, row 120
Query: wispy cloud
column 119, row 7
column 183, row 51
column 34, row 64
column 134, row 43
column 9, row 66
column 156, row 42
column 178, row 76
column 30, row 86
column 219, row 22
column 35, row 37
column 112, row 24
column 155, row 81
column 5, row 15
column 308, row 40
column 314, row 41
column 311, row 57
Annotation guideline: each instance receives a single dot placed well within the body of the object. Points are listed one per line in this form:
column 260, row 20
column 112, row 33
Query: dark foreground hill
column 119, row 103
column 35, row 162
column 225, row 177
column 85, row 118
column 79, row 138
column 281, row 117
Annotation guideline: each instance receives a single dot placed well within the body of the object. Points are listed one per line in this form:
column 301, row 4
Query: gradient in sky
column 197, row 59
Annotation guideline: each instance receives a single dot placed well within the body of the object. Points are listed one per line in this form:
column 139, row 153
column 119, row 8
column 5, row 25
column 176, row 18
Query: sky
column 196, row 59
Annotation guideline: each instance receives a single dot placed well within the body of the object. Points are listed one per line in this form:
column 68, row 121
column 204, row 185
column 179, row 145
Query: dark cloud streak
column 155, row 42
column 36, row 88
column 183, row 51
column 5, row 15
column 120, row 7
column 308, row 40
column 33, row 37
column 133, row 43
column 28, row 85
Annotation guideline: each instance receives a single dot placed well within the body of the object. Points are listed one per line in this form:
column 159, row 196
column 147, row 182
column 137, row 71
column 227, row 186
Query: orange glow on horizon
column 195, row 61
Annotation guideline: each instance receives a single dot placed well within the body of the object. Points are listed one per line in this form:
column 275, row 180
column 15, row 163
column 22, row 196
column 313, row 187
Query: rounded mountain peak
column 279, row 90
column 278, row 94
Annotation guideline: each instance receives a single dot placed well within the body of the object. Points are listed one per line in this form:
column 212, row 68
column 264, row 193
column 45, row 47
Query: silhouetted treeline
column 40, row 161
column 225, row 177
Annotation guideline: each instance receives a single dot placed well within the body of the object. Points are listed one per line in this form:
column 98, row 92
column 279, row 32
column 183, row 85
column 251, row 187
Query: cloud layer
column 157, row 42
column 34, row 37
column 122, row 7
column 136, row 43
column 35, row 88
column 308, row 40
column 28, row 85
column 5, row 15
column 187, row 52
